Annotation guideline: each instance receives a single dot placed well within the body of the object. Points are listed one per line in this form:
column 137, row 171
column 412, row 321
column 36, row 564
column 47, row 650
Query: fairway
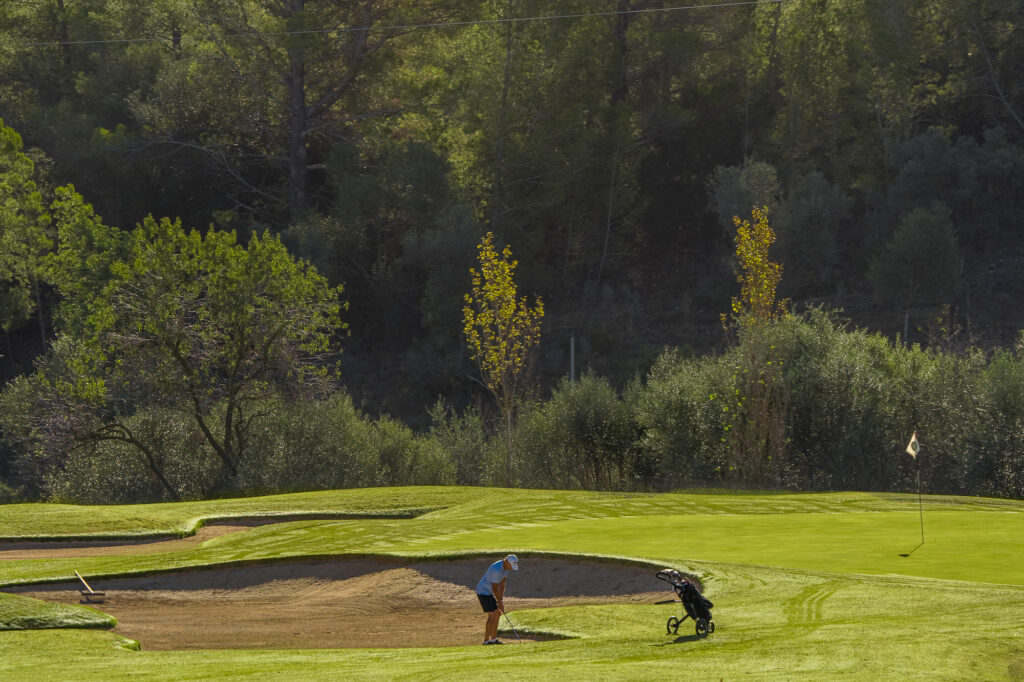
column 805, row 586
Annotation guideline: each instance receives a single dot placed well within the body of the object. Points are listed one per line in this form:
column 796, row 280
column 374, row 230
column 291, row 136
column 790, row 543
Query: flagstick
column 920, row 506
column 913, row 447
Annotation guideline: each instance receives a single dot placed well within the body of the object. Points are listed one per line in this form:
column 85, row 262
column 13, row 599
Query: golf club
column 509, row 621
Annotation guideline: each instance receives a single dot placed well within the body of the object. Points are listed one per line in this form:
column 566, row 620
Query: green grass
column 24, row 613
column 55, row 521
column 807, row 587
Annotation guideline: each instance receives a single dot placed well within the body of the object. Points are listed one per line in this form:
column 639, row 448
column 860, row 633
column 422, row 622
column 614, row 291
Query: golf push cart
column 695, row 606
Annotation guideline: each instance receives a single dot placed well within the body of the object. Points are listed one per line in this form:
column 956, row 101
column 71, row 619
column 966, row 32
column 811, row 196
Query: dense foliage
column 852, row 399
column 611, row 143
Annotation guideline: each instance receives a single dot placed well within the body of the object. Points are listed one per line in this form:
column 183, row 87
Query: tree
column 735, row 188
column 808, row 224
column 757, row 275
column 81, row 266
column 758, row 403
column 282, row 81
column 920, row 263
column 502, row 332
column 24, row 241
column 199, row 324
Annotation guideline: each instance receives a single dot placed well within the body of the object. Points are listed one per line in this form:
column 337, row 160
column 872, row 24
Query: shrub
column 462, row 438
column 849, row 403
column 404, row 459
column 330, row 444
column 852, row 401
column 114, row 472
column 994, row 457
column 314, row 445
column 583, row 437
column 681, row 414
column 8, row 495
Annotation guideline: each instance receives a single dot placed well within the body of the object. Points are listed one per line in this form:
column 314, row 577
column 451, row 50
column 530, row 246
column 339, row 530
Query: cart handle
column 672, row 576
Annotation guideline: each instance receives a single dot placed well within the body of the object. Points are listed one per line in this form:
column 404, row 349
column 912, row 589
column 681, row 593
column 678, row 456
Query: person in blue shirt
column 490, row 591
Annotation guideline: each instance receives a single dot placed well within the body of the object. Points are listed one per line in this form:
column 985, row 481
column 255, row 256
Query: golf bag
column 695, row 606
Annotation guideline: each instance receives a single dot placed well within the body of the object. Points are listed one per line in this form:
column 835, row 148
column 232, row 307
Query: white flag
column 913, row 446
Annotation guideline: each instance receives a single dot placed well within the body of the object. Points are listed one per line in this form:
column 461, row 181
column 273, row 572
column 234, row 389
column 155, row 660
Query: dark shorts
column 488, row 602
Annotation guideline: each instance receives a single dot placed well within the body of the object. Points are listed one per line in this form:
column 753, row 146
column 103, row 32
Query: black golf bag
column 695, row 606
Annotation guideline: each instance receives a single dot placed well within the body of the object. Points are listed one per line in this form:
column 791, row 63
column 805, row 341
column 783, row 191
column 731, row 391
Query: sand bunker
column 342, row 604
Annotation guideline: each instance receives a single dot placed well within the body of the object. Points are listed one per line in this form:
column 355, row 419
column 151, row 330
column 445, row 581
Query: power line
column 409, row 27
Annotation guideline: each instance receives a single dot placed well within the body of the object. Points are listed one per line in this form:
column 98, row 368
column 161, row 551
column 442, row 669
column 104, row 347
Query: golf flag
column 913, row 446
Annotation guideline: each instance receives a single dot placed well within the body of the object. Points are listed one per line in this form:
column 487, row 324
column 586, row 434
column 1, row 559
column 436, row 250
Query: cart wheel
column 672, row 627
column 711, row 626
column 702, row 627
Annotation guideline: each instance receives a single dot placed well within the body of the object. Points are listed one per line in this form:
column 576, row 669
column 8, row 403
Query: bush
column 300, row 446
column 583, row 437
column 849, row 403
column 330, row 444
column 681, row 414
column 404, row 459
column 309, row 446
column 25, row 464
column 852, row 399
column 8, row 495
column 115, row 472
column 992, row 461
column 475, row 460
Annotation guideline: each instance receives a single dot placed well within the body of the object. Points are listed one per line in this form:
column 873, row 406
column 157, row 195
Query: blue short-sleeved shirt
column 495, row 574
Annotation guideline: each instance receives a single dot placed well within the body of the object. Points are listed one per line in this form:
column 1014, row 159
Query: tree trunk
column 118, row 432
column 608, row 217
column 151, row 463
column 10, row 353
column 508, row 446
column 621, row 86
column 39, row 311
column 618, row 95
column 65, row 47
column 297, row 122
column 506, row 85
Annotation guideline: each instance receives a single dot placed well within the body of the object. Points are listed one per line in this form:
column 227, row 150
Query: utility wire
column 408, row 27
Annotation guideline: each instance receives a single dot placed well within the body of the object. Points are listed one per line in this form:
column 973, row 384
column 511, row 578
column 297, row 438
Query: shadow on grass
column 681, row 639
column 912, row 551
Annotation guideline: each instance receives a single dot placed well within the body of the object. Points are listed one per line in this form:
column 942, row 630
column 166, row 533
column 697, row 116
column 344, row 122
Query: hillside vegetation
column 238, row 239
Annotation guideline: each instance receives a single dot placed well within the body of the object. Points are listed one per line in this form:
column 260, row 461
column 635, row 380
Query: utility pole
column 572, row 352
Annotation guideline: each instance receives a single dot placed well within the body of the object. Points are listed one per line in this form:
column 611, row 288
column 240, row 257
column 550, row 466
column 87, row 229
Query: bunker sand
column 343, row 603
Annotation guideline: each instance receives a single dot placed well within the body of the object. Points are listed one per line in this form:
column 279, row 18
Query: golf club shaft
column 509, row 621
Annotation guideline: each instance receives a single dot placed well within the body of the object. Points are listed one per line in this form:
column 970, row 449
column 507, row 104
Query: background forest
column 363, row 147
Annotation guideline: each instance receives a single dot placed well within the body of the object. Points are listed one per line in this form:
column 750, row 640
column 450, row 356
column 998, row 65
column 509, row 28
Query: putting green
column 806, row 587
column 869, row 543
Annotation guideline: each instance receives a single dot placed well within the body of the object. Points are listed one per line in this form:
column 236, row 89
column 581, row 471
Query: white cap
column 513, row 561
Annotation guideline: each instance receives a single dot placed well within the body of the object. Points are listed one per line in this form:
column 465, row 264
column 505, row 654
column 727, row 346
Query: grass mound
column 24, row 613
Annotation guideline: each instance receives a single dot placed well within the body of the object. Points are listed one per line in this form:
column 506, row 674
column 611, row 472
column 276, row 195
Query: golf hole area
column 344, row 603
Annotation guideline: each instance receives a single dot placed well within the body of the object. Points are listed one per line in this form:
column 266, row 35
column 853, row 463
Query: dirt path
column 342, row 604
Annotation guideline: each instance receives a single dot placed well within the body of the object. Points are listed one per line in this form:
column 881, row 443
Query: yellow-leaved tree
column 758, row 276
column 757, row 422
column 502, row 331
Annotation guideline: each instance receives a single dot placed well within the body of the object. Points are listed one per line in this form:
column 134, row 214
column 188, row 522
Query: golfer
column 490, row 591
